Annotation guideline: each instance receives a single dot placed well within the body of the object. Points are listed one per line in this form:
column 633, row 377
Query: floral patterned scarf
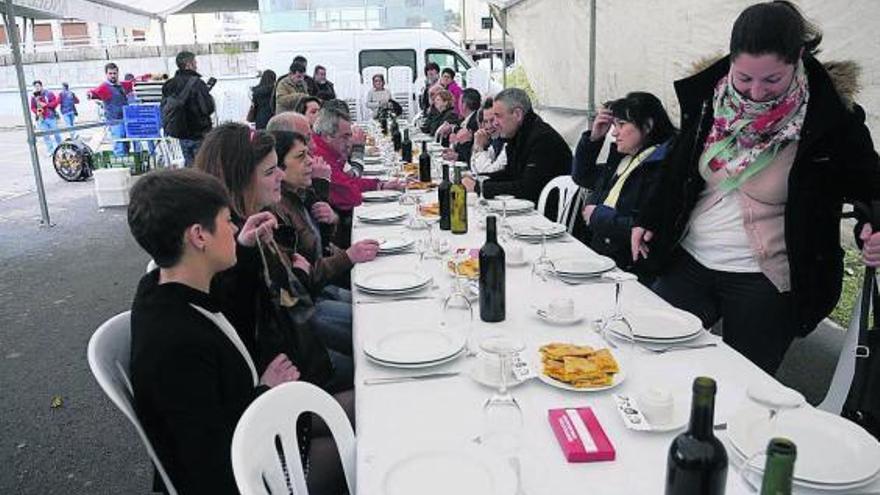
column 746, row 135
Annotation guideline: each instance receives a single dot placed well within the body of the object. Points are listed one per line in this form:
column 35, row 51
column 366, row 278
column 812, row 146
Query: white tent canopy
column 646, row 45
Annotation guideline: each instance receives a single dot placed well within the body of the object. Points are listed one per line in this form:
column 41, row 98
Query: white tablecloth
column 405, row 417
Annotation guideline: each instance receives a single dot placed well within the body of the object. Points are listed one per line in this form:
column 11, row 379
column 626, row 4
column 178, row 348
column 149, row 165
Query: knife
column 397, row 379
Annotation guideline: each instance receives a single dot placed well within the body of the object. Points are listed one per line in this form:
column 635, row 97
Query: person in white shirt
column 378, row 96
column 489, row 152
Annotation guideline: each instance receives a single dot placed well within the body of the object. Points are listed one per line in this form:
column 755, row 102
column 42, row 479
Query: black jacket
column 535, row 155
column 835, row 163
column 435, row 119
column 610, row 228
column 464, row 150
column 199, row 104
column 261, row 96
column 191, row 385
column 325, row 91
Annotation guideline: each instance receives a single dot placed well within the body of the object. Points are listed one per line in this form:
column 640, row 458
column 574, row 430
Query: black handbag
column 862, row 405
column 283, row 321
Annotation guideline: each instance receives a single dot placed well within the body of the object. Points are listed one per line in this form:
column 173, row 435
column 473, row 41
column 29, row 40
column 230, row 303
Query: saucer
column 559, row 320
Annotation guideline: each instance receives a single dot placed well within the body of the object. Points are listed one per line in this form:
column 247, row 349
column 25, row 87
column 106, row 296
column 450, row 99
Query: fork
column 683, row 347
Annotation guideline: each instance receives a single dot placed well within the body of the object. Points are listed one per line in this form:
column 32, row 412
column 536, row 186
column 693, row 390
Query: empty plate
column 392, row 282
column 443, row 472
column 381, row 215
column 381, row 196
column 395, row 245
column 414, row 346
column 585, row 266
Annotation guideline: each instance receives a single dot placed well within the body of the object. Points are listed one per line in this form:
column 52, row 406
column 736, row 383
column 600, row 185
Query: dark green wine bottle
column 492, row 276
column 443, row 200
column 697, row 461
column 779, row 469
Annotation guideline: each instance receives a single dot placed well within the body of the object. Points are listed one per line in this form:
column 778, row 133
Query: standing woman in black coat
column 642, row 135
column 261, row 97
column 745, row 222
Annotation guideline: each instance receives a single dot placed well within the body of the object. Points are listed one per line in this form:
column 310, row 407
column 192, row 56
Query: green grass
column 518, row 78
column 853, row 274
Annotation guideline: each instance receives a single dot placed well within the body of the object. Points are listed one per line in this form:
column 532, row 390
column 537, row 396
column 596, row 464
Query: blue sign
column 142, row 121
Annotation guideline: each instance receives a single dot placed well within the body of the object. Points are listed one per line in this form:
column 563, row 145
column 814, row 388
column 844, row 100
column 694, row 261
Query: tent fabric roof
column 117, row 13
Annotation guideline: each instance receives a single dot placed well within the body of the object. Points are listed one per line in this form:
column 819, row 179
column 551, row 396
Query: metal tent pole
column 504, row 50
column 164, row 47
column 591, row 91
column 12, row 29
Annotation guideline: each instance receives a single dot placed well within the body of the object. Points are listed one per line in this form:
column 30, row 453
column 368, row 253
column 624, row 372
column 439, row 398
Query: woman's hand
column 870, row 246
column 639, row 242
column 324, row 213
column 320, row 168
column 361, row 251
column 300, row 261
column 469, row 183
column 601, row 124
column 588, row 213
column 279, row 371
column 258, row 225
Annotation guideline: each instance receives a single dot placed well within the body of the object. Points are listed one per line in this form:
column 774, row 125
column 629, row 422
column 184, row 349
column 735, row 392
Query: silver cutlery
column 409, row 378
column 681, row 347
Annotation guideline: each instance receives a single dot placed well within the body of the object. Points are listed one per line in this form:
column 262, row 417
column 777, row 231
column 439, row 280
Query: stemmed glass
column 506, row 230
column 616, row 322
column 457, row 297
column 502, row 414
column 482, row 204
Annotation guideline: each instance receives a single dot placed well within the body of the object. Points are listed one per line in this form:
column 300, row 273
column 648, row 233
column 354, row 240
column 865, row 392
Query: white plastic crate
column 112, row 197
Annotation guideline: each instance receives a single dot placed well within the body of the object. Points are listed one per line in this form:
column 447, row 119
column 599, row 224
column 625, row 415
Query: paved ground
column 57, row 285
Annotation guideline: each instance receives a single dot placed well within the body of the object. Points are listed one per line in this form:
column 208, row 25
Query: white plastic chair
column 568, row 192
column 478, row 79
column 368, row 72
column 400, row 84
column 844, row 372
column 109, row 358
column 255, row 458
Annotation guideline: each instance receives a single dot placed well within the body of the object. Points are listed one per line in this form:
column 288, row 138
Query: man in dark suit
column 462, row 136
column 536, row 153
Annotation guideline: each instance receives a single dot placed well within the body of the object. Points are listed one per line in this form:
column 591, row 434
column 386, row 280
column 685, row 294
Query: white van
column 346, row 53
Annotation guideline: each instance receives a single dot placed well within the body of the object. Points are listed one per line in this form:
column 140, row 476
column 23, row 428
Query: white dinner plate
column 374, row 169
column 394, row 281
column 381, row 196
column 663, row 325
column 416, row 365
column 583, row 266
column 395, row 244
column 415, row 346
column 514, row 206
column 381, row 215
column 831, row 450
column 469, row 471
column 535, row 232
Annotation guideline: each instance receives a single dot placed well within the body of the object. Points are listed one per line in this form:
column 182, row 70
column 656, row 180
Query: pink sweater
column 762, row 199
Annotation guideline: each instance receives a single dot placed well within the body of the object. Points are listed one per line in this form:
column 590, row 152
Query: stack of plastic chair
column 400, row 84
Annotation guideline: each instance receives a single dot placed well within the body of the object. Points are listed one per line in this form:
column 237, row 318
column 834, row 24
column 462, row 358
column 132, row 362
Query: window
column 43, row 33
column 446, row 58
column 388, row 58
column 138, row 35
column 75, row 33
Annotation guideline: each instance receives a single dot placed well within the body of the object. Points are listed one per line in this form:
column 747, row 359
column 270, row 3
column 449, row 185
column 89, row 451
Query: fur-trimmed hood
column 844, row 75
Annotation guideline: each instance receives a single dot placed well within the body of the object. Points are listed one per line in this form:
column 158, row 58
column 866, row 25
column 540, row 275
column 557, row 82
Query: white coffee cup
column 472, row 198
column 657, row 405
column 561, row 308
column 514, row 253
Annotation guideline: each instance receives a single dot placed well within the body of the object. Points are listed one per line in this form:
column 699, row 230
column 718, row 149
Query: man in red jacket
column 114, row 94
column 43, row 105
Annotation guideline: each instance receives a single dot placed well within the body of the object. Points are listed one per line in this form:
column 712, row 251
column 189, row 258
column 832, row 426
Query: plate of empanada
column 579, row 368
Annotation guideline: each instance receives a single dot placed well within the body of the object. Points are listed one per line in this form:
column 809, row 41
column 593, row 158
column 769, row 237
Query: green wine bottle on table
column 458, row 205
column 697, row 461
column 779, row 469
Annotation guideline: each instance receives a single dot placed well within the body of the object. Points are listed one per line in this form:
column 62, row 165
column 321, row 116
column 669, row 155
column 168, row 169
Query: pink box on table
column 580, row 435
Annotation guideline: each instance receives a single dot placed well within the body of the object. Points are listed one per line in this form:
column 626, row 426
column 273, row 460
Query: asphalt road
column 57, row 284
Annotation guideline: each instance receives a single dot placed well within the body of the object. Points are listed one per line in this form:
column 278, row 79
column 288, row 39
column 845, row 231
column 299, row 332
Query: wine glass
column 502, row 415
column 506, row 229
column 482, row 204
column 457, row 299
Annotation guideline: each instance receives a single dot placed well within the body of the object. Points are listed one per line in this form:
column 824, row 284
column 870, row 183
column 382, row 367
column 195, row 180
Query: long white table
column 395, row 419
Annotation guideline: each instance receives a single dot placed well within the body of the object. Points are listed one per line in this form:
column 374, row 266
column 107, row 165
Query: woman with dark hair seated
column 298, row 202
column 191, row 374
column 642, row 135
column 247, row 163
